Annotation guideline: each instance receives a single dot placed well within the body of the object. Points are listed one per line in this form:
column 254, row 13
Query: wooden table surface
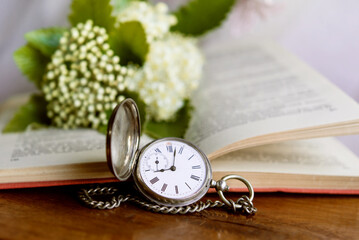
column 56, row 213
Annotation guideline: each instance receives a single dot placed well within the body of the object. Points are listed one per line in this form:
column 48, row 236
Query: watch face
column 174, row 169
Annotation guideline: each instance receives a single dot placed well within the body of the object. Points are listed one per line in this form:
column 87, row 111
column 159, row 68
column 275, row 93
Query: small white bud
column 102, row 64
column 74, row 33
column 109, row 53
column 103, row 115
column 50, row 114
column 109, row 68
column 50, row 75
column 123, row 71
column 89, row 22
column 121, row 87
column 83, row 81
column 91, row 108
column 116, row 59
column 87, row 74
column 117, row 67
column 102, row 31
column 86, row 90
column 73, row 73
column 99, row 40
column 77, row 103
column 91, row 35
column 72, row 47
column 119, row 78
column 99, row 97
column 99, row 77
column 80, row 25
column 84, row 33
column 63, row 40
column 111, row 77
column 101, row 90
column 105, row 46
column 121, row 98
column 99, row 107
column 161, row 7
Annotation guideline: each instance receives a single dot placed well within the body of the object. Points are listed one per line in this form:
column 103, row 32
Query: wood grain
column 56, row 213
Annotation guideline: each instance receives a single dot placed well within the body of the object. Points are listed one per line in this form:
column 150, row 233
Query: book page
column 255, row 89
column 50, row 146
column 314, row 157
column 47, row 147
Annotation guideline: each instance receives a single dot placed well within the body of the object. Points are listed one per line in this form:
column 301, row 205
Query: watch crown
column 212, row 184
column 221, row 185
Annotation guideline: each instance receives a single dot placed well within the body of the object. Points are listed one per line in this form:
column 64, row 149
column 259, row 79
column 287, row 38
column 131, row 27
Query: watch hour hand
column 157, row 162
column 162, row 170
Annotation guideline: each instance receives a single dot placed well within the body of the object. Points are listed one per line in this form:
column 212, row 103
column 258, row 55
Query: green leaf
column 37, row 126
column 100, row 11
column 46, row 40
column 129, row 43
column 32, row 63
column 102, row 129
column 200, row 16
column 32, row 112
column 119, row 5
column 176, row 128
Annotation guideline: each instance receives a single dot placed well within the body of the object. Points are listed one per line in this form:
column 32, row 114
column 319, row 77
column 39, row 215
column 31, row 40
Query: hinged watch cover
column 123, row 139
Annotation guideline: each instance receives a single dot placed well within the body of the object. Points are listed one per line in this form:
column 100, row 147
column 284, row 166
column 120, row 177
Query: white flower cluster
column 84, row 79
column 170, row 74
column 154, row 18
column 173, row 66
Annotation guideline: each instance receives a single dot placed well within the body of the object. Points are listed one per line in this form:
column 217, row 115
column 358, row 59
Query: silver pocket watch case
column 123, row 139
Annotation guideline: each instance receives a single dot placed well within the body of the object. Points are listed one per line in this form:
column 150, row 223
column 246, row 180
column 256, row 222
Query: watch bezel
column 167, row 201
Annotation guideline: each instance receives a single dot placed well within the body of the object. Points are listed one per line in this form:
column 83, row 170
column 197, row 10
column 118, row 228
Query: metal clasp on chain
column 243, row 203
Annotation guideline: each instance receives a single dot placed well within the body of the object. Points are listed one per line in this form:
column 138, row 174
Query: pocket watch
column 170, row 171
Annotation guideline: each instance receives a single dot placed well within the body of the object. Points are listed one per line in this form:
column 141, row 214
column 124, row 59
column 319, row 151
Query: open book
column 254, row 105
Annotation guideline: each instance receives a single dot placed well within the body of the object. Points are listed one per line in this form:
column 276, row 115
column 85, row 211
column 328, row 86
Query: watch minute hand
column 173, row 168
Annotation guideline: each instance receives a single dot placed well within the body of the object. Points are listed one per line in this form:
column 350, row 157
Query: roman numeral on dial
column 154, row 180
column 169, row 148
column 194, row 177
column 164, row 186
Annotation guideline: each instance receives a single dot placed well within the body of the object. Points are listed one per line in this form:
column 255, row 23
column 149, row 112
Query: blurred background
column 323, row 33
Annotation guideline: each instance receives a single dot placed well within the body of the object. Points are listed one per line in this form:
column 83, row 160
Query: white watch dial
column 173, row 169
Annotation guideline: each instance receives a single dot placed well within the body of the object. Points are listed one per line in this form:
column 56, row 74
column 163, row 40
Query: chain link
column 243, row 205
